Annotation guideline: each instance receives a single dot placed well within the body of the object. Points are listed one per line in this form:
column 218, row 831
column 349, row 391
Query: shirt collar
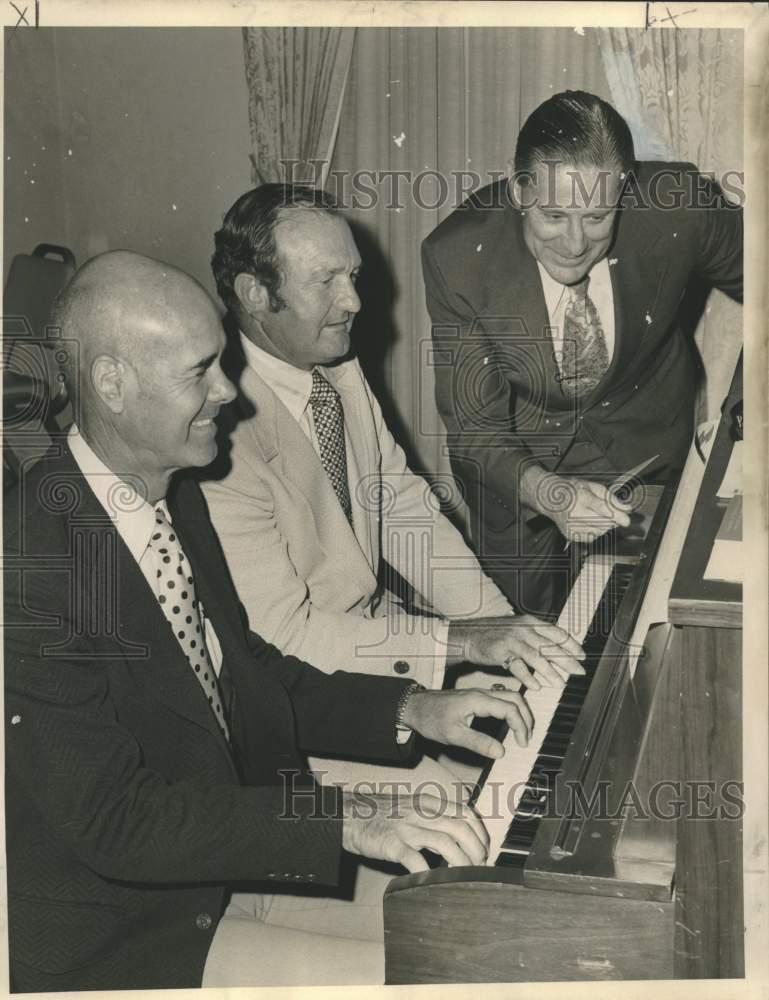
column 291, row 385
column 132, row 516
column 555, row 291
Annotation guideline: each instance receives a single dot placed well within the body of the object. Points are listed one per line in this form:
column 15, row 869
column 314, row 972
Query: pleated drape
column 681, row 93
column 296, row 79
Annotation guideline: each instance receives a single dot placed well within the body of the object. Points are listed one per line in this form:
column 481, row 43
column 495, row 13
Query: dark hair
column 574, row 128
column 246, row 242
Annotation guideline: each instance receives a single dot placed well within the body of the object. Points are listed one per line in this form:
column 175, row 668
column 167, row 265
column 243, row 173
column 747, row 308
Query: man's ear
column 108, row 378
column 252, row 294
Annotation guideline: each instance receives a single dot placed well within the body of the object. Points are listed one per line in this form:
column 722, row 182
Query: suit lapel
column 284, row 445
column 140, row 631
column 165, row 673
column 636, row 280
column 198, row 540
column 524, row 320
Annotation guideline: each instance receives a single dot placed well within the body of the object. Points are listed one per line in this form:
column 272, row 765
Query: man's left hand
column 446, row 717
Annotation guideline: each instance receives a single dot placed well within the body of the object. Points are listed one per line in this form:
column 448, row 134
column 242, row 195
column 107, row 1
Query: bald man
column 154, row 749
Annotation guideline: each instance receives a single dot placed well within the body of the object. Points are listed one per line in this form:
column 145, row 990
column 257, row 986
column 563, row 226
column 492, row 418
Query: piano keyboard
column 517, row 784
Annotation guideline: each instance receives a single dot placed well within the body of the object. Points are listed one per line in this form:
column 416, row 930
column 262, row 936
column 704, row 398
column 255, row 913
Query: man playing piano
column 154, row 748
column 561, row 356
column 312, row 492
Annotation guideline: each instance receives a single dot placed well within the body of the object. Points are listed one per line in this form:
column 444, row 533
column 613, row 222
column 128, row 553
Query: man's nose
column 222, row 390
column 349, row 301
column 576, row 238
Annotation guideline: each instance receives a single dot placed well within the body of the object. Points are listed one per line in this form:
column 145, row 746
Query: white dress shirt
column 134, row 520
column 293, row 387
column 557, row 297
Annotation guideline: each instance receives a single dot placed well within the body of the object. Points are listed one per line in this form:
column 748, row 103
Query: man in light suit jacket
column 155, row 750
column 304, row 542
column 541, row 414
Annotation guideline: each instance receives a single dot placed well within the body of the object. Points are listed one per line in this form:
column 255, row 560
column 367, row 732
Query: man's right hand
column 582, row 510
column 398, row 827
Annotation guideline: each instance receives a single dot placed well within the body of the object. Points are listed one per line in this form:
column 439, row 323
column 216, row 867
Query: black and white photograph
column 385, row 497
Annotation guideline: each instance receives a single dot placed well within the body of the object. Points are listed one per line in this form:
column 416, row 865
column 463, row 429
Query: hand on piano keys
column 447, row 716
column 397, row 827
column 533, row 651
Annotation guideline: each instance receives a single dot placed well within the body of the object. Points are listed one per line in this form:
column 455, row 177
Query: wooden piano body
column 651, row 891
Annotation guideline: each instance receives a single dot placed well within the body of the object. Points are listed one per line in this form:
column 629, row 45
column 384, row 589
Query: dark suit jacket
column 496, row 385
column 127, row 813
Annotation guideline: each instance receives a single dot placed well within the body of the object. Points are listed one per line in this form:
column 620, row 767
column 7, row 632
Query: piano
column 616, row 843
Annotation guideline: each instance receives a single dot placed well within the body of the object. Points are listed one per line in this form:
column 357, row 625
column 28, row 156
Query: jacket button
column 203, row 921
column 401, row 667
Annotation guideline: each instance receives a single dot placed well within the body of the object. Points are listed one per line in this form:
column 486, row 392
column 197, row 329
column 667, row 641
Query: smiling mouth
column 571, row 260
column 203, row 423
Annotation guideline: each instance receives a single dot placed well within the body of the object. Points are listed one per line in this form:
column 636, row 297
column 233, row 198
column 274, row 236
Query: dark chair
column 35, row 402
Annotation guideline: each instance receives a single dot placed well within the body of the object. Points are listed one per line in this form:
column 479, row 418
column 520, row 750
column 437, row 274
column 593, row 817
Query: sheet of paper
column 725, row 561
column 732, row 481
column 654, row 608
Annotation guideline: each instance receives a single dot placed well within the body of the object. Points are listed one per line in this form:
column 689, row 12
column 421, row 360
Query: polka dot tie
column 328, row 417
column 585, row 355
column 176, row 595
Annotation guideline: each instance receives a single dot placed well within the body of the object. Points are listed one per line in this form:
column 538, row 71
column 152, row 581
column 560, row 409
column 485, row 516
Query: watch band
column 400, row 708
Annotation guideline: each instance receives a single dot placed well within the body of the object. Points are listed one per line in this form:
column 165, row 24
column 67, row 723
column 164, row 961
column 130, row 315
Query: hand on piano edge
column 533, row 651
column 581, row 509
column 397, row 827
column 447, row 717
column 593, row 510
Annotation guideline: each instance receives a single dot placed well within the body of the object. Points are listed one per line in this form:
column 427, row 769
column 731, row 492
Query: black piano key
column 545, row 770
column 518, row 839
column 524, row 815
column 509, row 859
column 555, row 746
column 529, row 809
column 572, row 702
column 561, row 727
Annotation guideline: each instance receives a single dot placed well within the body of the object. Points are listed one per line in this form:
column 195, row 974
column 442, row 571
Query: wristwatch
column 400, row 708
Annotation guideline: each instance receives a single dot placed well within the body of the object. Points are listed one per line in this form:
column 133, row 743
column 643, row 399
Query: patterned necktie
column 176, row 594
column 585, row 355
column 328, row 417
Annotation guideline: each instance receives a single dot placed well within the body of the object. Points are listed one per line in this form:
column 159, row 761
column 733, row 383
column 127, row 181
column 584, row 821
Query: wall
column 124, row 137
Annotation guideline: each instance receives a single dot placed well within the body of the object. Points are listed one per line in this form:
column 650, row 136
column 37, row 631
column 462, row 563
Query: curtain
column 296, row 80
column 681, row 93
column 443, row 106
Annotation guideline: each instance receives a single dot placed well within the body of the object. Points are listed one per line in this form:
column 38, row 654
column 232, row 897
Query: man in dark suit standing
column 560, row 358
column 155, row 749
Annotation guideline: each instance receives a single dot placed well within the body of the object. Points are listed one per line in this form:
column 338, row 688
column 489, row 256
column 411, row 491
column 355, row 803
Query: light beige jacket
column 308, row 583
